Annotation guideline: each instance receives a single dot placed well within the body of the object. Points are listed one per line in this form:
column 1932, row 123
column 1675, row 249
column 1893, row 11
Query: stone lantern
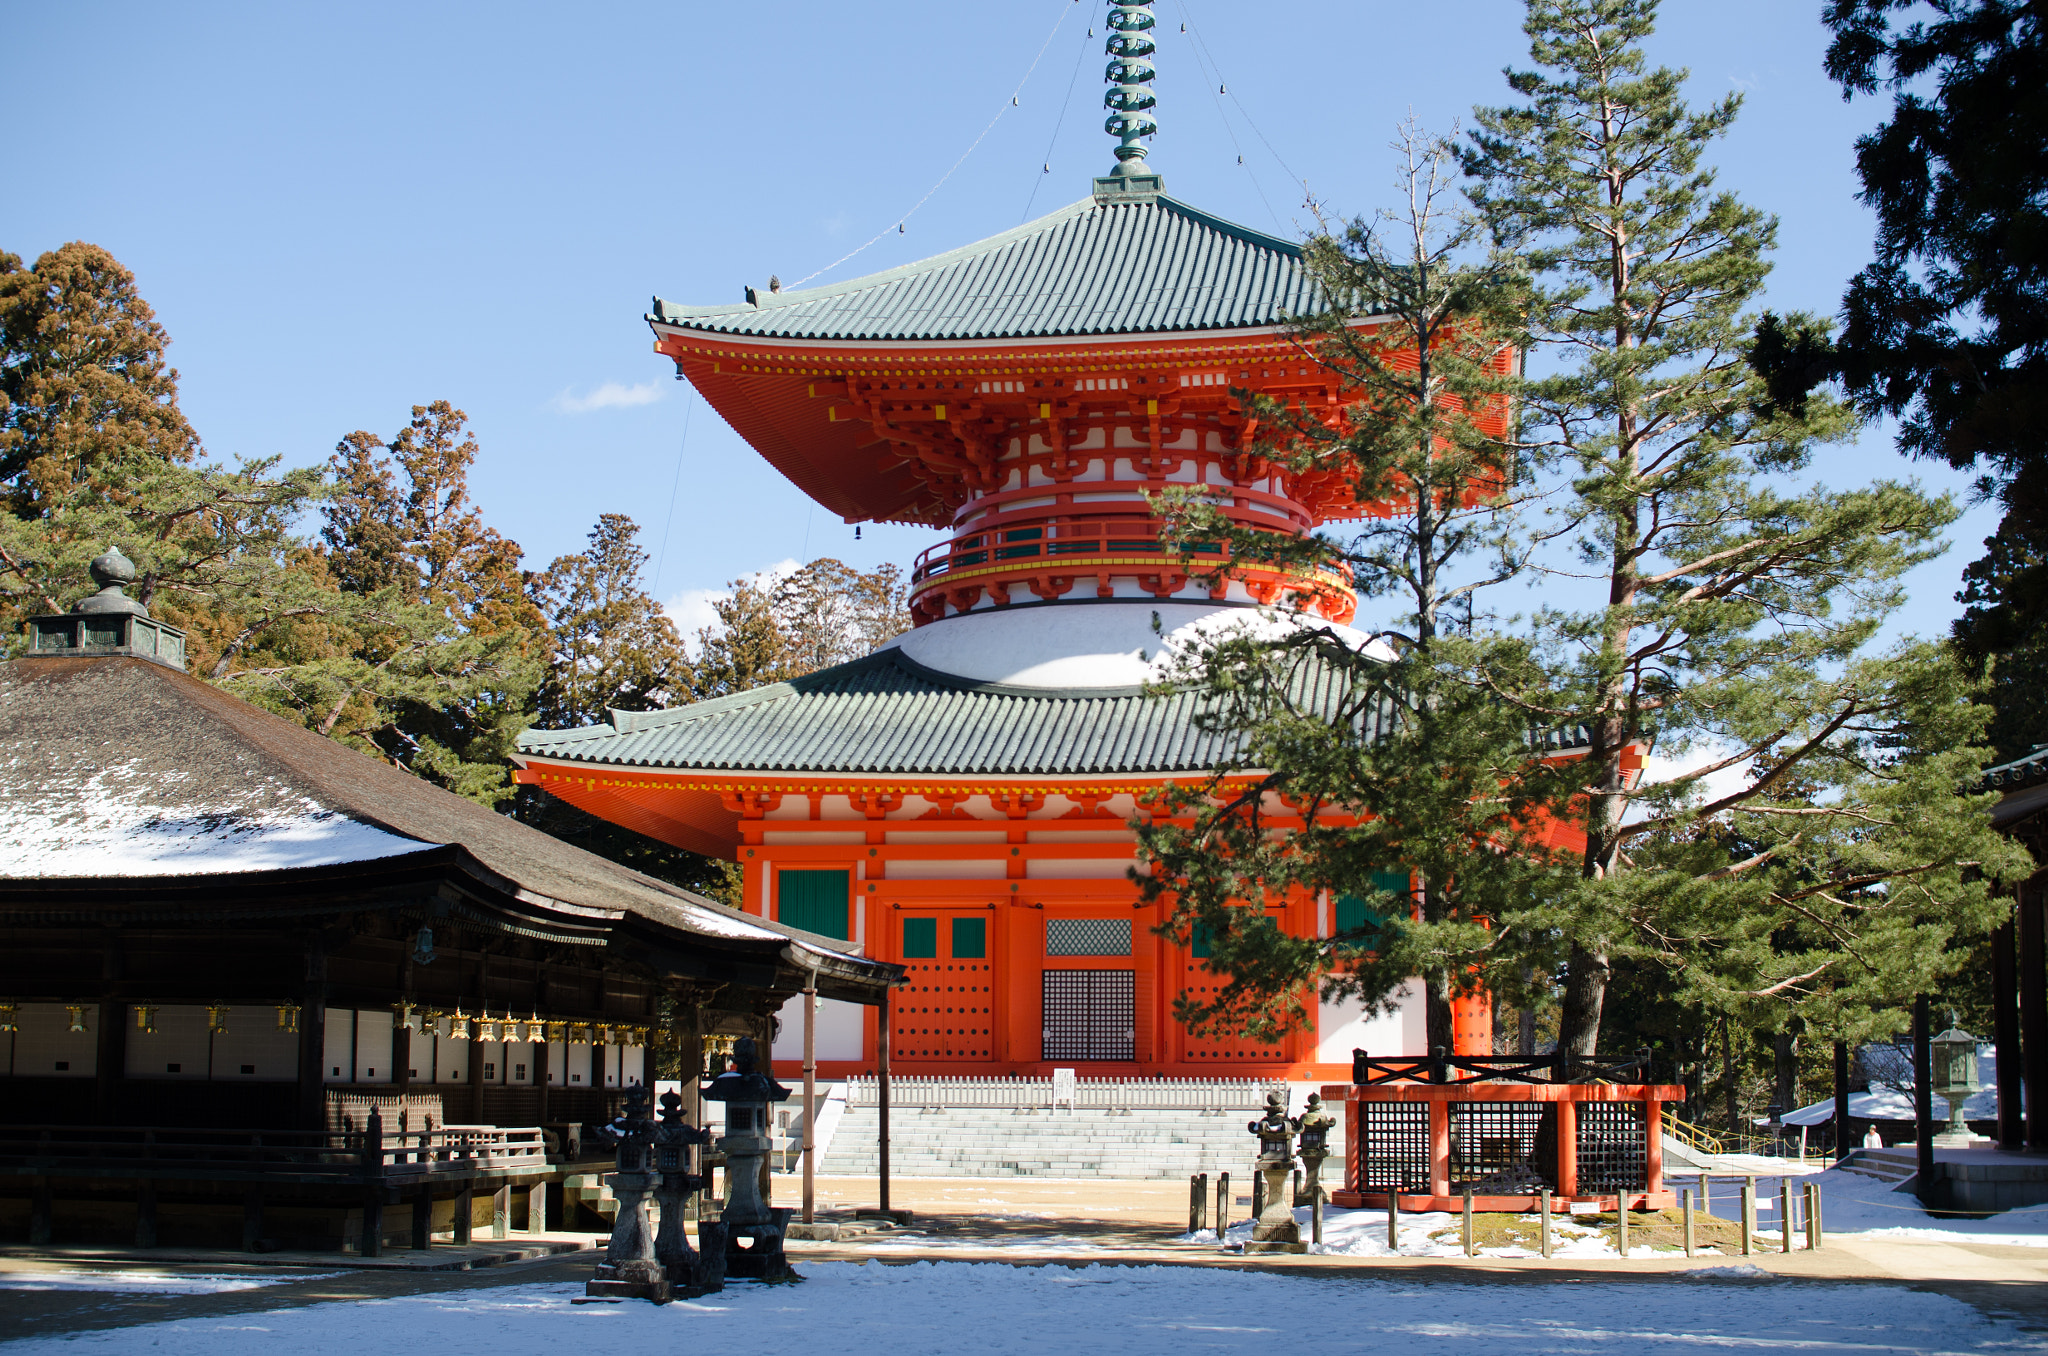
column 1275, row 1229
column 673, row 1139
column 753, row 1231
column 1954, row 1056
column 631, row 1269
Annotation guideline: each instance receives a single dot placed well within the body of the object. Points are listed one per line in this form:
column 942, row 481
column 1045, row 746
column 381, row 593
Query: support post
column 1784, row 1214
column 1748, row 1215
column 1465, row 1220
column 111, row 1068
column 1222, row 1204
column 1844, row 1139
column 465, row 1214
column 423, row 1218
column 1923, row 1097
column 501, row 1211
column 1393, row 1219
column 1653, row 1145
column 1815, row 1232
column 882, row 1097
column 2005, row 1032
column 313, row 1040
column 1621, row 1224
column 252, row 1217
column 1198, row 1202
column 1685, row 1211
column 1543, row 1220
column 810, row 1096
column 1439, row 1148
column 145, row 1212
column 1567, row 1149
column 2033, row 989
column 372, row 1243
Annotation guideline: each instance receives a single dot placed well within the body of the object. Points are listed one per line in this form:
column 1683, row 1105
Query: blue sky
column 341, row 211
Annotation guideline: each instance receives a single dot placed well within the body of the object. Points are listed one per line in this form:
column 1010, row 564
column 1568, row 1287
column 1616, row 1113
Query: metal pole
column 810, row 1095
column 882, row 1096
column 1923, row 1098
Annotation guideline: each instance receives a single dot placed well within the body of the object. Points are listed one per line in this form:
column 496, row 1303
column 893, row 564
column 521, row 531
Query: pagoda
column 960, row 800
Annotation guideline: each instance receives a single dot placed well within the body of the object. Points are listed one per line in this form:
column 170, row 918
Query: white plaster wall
column 839, row 1030
column 942, row 870
column 1344, row 1027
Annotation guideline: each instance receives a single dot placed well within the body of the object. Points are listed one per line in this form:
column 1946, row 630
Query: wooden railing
column 1108, row 1094
column 1442, row 1067
column 450, row 1151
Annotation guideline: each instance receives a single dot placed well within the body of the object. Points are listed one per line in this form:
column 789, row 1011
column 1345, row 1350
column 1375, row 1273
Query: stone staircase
column 1886, row 1165
column 1128, row 1144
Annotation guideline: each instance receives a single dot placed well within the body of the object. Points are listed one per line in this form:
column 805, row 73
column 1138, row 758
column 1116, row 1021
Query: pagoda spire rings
column 1130, row 74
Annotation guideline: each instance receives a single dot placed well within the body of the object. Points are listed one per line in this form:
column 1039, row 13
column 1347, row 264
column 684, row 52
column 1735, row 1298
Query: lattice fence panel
column 1499, row 1147
column 1613, row 1147
column 1087, row 936
column 1393, row 1146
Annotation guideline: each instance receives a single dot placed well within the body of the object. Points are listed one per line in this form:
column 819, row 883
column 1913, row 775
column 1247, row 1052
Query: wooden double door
column 950, row 1009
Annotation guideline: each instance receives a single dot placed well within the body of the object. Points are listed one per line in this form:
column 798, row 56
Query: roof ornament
column 1129, row 99
column 110, row 570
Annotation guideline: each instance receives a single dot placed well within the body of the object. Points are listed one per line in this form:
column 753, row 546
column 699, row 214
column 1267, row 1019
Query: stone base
column 1275, row 1245
column 899, row 1217
column 613, row 1284
column 753, row 1252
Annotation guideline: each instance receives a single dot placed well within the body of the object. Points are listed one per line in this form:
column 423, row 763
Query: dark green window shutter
column 970, row 938
column 815, row 901
column 920, row 939
column 1198, row 944
column 1352, row 913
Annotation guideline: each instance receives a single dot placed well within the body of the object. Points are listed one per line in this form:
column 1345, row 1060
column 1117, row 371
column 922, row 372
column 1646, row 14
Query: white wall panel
column 337, row 1062
column 373, row 1045
column 177, row 1049
column 46, row 1047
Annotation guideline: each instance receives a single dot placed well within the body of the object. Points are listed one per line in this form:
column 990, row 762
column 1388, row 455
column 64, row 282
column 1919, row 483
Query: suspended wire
column 1058, row 126
column 1210, row 72
column 1009, row 102
column 661, row 556
column 1195, row 31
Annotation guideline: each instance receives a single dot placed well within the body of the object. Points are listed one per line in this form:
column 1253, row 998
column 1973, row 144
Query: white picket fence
column 1105, row 1094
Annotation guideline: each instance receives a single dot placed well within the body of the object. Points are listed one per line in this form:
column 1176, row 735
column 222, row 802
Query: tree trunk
column 1585, row 993
column 1437, row 989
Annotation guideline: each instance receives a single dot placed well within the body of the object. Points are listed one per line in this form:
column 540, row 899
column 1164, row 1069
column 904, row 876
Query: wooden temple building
column 960, row 801
column 258, row 986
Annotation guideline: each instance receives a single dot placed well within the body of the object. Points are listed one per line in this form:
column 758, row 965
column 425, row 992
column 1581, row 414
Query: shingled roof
column 1152, row 264
column 121, row 778
column 886, row 713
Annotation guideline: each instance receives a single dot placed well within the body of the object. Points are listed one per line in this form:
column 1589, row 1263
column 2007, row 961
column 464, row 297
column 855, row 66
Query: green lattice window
column 970, row 938
column 815, row 901
column 920, row 939
column 1353, row 914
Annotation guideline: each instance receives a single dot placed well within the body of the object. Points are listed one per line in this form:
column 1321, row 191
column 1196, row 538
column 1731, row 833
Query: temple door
column 946, row 1013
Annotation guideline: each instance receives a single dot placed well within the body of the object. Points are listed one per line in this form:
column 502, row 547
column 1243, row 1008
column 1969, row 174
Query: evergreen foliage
column 1947, row 328
column 1730, row 610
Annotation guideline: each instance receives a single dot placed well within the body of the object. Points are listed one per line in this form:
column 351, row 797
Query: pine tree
column 770, row 629
column 613, row 646
column 433, row 660
column 1412, row 804
column 1947, row 329
column 1731, row 610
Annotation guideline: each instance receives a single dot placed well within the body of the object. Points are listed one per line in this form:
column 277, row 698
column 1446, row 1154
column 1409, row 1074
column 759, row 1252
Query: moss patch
column 1663, row 1230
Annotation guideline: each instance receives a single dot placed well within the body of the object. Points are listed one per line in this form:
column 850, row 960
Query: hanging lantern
column 536, row 1030
column 579, row 1033
column 558, row 1031
column 401, row 1016
column 216, row 1019
column 458, row 1025
column 145, row 1018
column 601, row 1035
column 77, row 1011
column 10, row 1019
column 641, row 1035
column 487, row 1029
column 288, row 1017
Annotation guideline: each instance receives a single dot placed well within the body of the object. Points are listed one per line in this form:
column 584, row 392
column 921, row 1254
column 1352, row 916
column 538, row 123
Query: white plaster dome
column 1083, row 645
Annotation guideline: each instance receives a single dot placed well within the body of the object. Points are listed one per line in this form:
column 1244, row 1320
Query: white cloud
column 610, row 396
column 1658, row 769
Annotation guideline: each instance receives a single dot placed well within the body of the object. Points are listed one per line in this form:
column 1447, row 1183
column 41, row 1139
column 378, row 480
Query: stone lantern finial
column 110, row 570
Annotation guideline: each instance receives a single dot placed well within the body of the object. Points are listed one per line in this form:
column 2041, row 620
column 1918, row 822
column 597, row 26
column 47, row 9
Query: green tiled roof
column 888, row 714
column 1150, row 264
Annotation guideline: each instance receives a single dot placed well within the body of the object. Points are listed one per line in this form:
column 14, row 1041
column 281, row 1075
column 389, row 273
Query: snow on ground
column 149, row 1282
column 1363, row 1233
column 950, row 1307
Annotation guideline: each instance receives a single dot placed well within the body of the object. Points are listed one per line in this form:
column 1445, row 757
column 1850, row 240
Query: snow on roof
column 122, row 821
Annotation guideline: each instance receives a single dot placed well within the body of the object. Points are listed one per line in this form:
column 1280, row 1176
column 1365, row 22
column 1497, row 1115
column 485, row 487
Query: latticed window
column 1087, row 936
column 815, row 901
column 1502, row 1146
column 1090, row 1014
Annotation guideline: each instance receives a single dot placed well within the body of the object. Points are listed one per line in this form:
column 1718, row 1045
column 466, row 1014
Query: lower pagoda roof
column 888, row 714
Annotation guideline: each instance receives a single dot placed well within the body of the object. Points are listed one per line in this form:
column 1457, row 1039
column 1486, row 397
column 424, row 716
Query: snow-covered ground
column 149, row 1282
column 954, row 1307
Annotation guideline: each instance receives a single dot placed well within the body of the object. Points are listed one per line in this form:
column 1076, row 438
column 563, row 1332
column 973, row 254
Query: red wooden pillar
column 1653, row 1146
column 1567, row 1148
column 1439, row 1147
column 1354, row 1143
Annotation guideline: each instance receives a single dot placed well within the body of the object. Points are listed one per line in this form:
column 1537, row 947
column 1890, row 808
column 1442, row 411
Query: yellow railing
column 1692, row 1136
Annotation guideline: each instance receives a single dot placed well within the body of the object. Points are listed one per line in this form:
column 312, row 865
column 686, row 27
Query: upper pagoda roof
column 1140, row 263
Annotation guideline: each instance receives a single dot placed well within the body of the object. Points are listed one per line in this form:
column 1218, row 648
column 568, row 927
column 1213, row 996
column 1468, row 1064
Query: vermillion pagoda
column 960, row 799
